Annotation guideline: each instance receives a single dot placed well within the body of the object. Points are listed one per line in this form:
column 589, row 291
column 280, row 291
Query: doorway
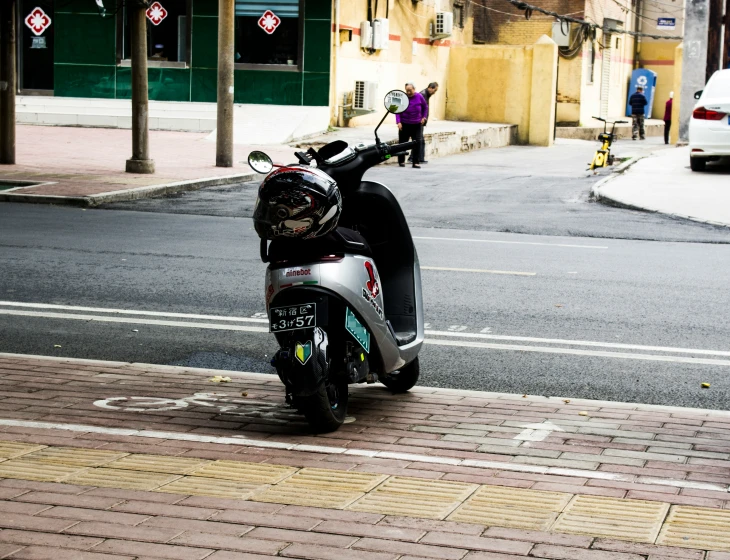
column 35, row 47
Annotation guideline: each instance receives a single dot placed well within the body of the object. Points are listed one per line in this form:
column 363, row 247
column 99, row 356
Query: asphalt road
column 599, row 316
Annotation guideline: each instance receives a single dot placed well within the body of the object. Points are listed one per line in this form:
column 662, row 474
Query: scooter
column 346, row 308
column 603, row 156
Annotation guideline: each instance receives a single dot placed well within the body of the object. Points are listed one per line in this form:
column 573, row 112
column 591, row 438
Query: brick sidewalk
column 610, row 457
column 80, row 163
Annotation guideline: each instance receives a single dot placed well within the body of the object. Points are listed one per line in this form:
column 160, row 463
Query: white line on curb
column 268, row 444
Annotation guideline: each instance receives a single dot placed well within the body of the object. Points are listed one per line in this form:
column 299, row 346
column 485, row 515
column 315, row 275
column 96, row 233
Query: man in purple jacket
column 410, row 124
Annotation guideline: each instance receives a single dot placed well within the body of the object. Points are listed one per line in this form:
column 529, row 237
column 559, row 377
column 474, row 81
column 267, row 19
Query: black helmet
column 297, row 202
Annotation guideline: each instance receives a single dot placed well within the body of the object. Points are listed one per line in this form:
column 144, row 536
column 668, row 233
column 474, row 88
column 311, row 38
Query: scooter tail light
column 332, row 258
column 704, row 114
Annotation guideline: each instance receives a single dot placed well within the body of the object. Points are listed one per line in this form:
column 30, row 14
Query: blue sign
column 646, row 79
column 666, row 23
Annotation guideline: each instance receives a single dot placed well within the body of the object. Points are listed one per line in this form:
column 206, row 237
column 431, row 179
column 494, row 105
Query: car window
column 719, row 85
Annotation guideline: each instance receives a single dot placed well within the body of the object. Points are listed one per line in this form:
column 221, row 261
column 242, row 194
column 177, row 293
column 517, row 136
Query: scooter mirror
column 260, row 162
column 396, row 101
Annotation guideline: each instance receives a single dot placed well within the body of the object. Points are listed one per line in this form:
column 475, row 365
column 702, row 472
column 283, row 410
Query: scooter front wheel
column 326, row 409
column 404, row 379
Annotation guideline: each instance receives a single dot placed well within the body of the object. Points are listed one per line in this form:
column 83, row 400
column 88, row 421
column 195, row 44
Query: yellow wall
column 659, row 57
column 393, row 67
column 491, row 83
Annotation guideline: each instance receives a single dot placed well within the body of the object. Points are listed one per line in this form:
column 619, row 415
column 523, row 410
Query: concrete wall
column 520, row 89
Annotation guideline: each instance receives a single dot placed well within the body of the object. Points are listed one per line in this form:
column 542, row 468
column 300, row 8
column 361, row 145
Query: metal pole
column 140, row 161
column 224, row 134
column 726, row 39
column 714, row 38
column 7, row 82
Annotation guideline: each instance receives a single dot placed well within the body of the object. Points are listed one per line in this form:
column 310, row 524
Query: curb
column 128, row 194
column 617, row 203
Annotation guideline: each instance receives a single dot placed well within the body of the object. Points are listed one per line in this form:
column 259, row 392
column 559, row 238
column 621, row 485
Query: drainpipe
column 7, row 82
column 638, row 26
column 335, row 60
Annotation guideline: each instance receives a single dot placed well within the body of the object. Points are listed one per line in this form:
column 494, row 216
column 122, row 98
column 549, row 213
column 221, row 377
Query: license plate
column 292, row 317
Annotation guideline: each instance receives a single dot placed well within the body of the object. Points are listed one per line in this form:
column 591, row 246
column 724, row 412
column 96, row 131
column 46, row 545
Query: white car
column 709, row 127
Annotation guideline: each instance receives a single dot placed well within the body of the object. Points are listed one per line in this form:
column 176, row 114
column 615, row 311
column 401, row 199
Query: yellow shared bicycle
column 603, row 156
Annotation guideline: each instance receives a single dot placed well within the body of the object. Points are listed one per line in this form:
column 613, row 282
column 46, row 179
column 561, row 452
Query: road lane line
column 442, row 342
column 479, row 270
column 580, row 343
column 130, row 312
column 575, row 352
column 331, row 450
column 513, row 242
column 134, row 321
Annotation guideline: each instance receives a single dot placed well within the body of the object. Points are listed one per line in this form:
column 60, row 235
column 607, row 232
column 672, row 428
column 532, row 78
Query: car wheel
column 697, row 164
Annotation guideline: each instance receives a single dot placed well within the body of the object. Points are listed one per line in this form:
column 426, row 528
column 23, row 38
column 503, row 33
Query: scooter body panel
column 355, row 281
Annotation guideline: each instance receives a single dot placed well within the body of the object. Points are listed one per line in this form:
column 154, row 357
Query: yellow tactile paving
column 34, row 470
column 158, row 463
column 216, row 487
column 503, row 506
column 695, row 527
column 11, row 449
column 321, row 488
column 74, row 457
column 633, row 520
column 616, row 518
column 245, row 472
column 415, row 497
column 118, row 478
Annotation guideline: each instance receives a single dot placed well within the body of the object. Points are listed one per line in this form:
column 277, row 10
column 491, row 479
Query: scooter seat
column 341, row 240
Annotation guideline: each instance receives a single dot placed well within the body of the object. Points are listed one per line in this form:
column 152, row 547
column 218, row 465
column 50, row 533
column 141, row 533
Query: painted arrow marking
column 537, row 432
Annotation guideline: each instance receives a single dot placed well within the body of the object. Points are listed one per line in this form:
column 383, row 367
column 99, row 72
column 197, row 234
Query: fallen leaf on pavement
column 57, row 346
column 705, row 385
column 582, row 413
column 219, row 379
column 566, row 401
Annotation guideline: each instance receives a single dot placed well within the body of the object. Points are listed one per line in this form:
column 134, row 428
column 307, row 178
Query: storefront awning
column 256, row 8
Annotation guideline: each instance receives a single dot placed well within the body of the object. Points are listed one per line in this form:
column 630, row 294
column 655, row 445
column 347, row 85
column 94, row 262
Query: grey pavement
column 663, row 182
column 517, row 189
column 634, row 293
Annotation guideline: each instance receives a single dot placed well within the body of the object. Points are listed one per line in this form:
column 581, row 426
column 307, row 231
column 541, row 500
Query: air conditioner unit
column 366, row 35
column 381, row 34
column 365, row 96
column 444, row 25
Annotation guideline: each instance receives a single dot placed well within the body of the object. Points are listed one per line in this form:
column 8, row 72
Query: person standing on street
column 668, row 117
column 432, row 88
column 638, row 102
column 410, row 124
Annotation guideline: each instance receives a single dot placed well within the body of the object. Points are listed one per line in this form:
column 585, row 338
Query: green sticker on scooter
column 355, row 328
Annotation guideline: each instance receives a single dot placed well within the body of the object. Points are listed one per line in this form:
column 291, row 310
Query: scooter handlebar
column 395, row 149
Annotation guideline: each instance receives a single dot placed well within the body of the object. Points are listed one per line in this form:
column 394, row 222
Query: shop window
column 167, row 39
column 268, row 32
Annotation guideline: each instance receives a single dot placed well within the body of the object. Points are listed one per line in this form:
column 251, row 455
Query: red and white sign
column 38, row 21
column 269, row 22
column 156, row 13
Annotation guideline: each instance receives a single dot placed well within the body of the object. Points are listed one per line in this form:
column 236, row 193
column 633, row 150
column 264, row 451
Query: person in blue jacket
column 638, row 102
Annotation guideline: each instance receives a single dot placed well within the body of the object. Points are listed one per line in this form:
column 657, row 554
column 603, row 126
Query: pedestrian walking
column 638, row 102
column 410, row 124
column 668, row 117
column 432, row 88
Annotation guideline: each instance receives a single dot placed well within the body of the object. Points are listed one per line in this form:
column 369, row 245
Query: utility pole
column 7, row 81
column 140, row 161
column 224, row 130
column 694, row 59
column 726, row 41
column 714, row 38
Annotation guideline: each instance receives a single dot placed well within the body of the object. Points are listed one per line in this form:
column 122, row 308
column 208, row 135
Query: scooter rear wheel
column 326, row 409
column 404, row 379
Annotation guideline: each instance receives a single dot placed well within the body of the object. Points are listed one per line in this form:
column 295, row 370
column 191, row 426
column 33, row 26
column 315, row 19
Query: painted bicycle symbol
column 223, row 403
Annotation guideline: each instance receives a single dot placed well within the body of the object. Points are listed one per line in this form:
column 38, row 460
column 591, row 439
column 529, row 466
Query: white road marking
column 575, row 352
column 254, row 319
column 567, row 342
column 514, row 242
column 482, row 270
column 269, row 444
column 430, row 333
column 537, row 432
column 134, row 321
